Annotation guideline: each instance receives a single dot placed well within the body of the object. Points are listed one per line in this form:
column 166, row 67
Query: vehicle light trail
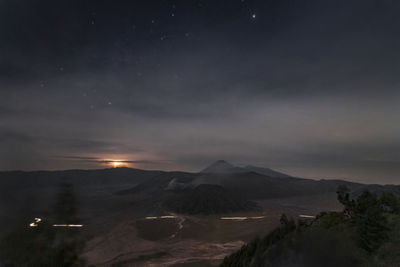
column 67, row 225
column 234, row 218
column 307, row 216
column 38, row 220
column 168, row 217
column 35, row 223
column 160, row 217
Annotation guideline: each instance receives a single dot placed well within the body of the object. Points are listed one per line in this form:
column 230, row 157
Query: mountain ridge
column 267, row 171
column 224, row 167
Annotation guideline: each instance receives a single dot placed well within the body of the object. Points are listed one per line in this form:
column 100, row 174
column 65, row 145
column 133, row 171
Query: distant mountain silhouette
column 266, row 171
column 253, row 185
column 221, row 166
column 254, row 182
column 224, row 167
column 247, row 182
column 152, row 187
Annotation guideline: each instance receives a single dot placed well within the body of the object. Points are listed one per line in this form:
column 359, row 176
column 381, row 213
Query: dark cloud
column 9, row 136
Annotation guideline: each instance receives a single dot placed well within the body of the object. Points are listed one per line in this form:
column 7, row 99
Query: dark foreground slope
column 366, row 233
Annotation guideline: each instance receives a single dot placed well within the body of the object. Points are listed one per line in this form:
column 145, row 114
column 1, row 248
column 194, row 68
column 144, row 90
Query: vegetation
column 207, row 199
column 366, row 233
column 45, row 245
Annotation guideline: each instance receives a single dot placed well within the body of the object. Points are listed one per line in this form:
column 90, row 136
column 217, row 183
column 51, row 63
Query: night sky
column 306, row 87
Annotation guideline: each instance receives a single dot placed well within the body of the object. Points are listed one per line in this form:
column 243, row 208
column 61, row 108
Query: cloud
column 311, row 88
column 105, row 161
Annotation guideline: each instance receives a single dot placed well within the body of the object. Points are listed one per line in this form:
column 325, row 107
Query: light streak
column 160, row 217
column 35, row 223
column 38, row 220
column 234, row 218
column 67, row 225
column 307, row 216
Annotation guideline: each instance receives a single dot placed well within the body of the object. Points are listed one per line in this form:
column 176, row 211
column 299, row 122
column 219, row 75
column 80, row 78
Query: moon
column 116, row 164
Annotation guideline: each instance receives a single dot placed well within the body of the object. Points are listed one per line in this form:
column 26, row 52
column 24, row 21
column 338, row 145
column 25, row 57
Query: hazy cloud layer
column 307, row 87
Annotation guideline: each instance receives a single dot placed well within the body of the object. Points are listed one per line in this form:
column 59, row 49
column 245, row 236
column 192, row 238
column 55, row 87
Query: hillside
column 366, row 233
column 207, row 199
column 257, row 186
column 224, row 167
column 158, row 184
column 249, row 182
column 266, row 171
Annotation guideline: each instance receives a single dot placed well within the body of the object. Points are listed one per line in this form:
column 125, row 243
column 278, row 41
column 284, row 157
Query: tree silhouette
column 45, row 245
